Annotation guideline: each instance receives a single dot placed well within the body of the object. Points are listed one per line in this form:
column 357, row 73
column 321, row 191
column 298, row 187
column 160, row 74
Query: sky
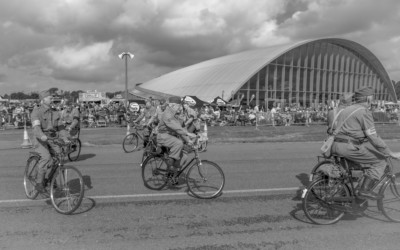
column 74, row 44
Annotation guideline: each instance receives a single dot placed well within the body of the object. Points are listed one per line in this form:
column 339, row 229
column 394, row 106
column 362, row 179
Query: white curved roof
column 208, row 79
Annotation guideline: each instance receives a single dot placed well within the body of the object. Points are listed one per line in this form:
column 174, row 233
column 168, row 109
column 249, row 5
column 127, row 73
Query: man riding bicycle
column 191, row 123
column 168, row 130
column 148, row 112
column 70, row 117
column 358, row 141
column 45, row 121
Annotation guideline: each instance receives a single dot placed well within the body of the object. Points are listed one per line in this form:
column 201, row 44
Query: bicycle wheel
column 205, row 180
column 130, row 143
column 154, row 173
column 67, row 190
column 390, row 204
column 319, row 201
column 75, row 150
column 30, row 175
column 202, row 146
column 316, row 171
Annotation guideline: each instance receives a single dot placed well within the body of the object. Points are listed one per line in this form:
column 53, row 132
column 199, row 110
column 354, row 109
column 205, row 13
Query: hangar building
column 306, row 73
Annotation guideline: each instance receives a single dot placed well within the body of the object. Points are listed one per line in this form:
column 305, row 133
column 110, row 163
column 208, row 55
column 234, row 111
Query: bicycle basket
column 331, row 170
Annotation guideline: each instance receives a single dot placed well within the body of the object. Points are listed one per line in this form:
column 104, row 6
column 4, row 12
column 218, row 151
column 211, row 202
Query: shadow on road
column 87, row 181
column 303, row 178
column 86, row 205
column 85, row 157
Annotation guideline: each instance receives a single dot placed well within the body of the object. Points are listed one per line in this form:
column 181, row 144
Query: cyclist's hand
column 395, row 155
column 43, row 138
column 189, row 143
column 191, row 135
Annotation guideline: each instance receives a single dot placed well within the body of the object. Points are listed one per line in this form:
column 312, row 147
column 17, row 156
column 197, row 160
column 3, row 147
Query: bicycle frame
column 59, row 158
column 195, row 159
column 347, row 179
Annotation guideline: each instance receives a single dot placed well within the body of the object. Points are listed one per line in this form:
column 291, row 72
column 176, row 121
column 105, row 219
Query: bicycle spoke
column 206, row 180
column 67, row 190
column 318, row 202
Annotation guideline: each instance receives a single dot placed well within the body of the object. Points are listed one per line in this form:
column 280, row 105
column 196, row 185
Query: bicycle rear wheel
column 130, row 143
column 154, row 173
column 390, row 204
column 316, row 171
column 205, row 179
column 75, row 150
column 67, row 190
column 319, row 201
column 30, row 175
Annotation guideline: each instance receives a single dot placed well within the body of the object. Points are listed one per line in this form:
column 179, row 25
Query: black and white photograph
column 200, row 125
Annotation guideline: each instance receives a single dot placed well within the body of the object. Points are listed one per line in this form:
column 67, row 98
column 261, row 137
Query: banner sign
column 92, row 96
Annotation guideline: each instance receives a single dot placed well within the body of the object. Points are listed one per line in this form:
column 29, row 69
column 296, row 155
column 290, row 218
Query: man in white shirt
column 273, row 112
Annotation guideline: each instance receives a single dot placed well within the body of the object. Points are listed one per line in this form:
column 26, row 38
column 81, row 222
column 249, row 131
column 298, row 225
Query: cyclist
column 45, row 121
column 168, row 130
column 191, row 122
column 160, row 108
column 70, row 117
column 358, row 141
column 344, row 101
column 148, row 112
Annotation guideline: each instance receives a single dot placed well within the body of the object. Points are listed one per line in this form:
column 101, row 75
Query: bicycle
column 204, row 179
column 132, row 140
column 63, row 183
column 331, row 195
column 73, row 148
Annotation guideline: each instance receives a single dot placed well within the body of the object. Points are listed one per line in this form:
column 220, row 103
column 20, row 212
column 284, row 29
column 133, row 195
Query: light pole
column 121, row 56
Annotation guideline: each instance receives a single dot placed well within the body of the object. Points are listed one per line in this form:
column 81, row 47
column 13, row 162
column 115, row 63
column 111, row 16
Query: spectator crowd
column 116, row 114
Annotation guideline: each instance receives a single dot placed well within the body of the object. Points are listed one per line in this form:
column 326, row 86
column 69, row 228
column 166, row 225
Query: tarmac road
column 259, row 209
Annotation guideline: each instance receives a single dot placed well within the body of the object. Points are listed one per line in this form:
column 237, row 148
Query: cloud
column 75, row 43
column 86, row 57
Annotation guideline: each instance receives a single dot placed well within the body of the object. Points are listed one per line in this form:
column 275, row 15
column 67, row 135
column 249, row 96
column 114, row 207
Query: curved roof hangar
column 227, row 74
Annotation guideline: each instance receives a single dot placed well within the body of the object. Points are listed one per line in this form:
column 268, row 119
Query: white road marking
column 159, row 194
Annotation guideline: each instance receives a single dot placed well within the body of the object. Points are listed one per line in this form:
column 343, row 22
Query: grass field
column 243, row 134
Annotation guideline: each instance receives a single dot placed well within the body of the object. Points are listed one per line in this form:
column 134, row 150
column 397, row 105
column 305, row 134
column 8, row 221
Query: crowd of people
column 116, row 114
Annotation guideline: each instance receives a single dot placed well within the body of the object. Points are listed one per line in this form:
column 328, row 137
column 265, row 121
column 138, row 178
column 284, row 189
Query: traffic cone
column 205, row 131
column 128, row 128
column 27, row 142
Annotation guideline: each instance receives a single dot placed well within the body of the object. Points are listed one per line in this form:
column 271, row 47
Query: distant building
column 93, row 96
column 306, row 73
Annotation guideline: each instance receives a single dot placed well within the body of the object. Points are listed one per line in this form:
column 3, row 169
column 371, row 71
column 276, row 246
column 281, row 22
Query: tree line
column 70, row 95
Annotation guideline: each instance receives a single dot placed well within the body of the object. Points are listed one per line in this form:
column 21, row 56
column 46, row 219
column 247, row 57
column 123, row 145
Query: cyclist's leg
column 175, row 145
column 146, row 136
column 366, row 155
column 45, row 158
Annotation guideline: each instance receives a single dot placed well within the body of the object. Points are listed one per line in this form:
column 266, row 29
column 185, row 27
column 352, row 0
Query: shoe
column 365, row 190
column 40, row 188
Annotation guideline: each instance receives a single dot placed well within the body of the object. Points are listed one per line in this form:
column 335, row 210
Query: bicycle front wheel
column 74, row 150
column 205, row 179
column 202, row 146
column 320, row 199
column 30, row 175
column 390, row 204
column 154, row 173
column 67, row 190
column 130, row 143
